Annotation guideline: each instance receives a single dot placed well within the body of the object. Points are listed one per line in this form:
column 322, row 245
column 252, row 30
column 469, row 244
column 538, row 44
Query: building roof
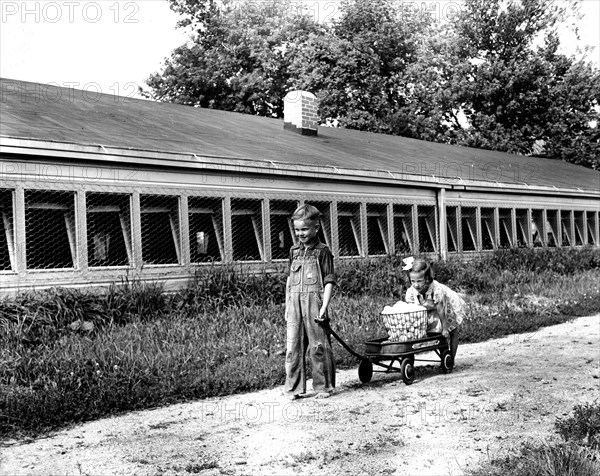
column 55, row 115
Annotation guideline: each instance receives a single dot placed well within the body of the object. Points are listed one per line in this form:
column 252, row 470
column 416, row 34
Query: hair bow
column 408, row 263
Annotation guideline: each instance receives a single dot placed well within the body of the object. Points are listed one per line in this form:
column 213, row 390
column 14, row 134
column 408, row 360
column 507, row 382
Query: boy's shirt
column 325, row 258
column 440, row 293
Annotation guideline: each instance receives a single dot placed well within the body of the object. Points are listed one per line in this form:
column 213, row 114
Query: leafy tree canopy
column 238, row 57
column 356, row 65
column 498, row 64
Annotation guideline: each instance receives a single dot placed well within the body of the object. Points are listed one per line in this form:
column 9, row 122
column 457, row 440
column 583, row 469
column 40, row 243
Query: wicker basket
column 406, row 326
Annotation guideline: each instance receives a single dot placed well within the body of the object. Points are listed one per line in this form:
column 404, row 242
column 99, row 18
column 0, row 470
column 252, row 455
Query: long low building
column 96, row 187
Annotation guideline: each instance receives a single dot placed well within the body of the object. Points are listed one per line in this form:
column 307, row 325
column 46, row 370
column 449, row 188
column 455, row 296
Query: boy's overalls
column 304, row 300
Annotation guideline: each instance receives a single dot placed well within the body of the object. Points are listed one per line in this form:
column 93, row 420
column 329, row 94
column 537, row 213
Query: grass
column 68, row 356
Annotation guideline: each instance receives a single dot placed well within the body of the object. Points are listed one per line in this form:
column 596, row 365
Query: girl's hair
column 307, row 213
column 421, row 265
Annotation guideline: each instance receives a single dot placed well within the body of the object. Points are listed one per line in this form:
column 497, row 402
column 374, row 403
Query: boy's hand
column 323, row 318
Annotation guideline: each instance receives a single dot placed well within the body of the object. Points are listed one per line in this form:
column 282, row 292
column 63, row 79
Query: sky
column 112, row 46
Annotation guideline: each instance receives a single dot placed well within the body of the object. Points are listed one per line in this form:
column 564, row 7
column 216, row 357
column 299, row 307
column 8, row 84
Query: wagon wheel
column 365, row 371
column 447, row 362
column 408, row 371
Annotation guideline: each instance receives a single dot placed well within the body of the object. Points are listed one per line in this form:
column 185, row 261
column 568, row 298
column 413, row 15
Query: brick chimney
column 300, row 112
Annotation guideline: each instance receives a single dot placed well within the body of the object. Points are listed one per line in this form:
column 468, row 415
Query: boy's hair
column 422, row 265
column 307, row 212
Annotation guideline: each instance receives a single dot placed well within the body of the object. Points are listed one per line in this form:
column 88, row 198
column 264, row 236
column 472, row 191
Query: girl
column 443, row 304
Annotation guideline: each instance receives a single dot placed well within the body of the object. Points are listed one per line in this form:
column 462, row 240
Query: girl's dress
column 437, row 293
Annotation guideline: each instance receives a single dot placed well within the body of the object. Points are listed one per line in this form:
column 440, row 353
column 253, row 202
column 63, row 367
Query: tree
column 237, row 60
column 513, row 96
column 354, row 67
column 572, row 131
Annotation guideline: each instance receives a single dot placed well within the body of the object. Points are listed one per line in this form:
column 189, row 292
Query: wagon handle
column 340, row 340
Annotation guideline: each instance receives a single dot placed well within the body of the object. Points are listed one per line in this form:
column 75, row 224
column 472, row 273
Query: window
column 488, row 229
column 160, row 229
column 324, row 233
column 522, row 228
column 377, row 229
column 246, row 229
column 537, row 228
column 552, row 228
column 349, row 229
column 50, row 225
column 566, row 227
column 282, row 228
column 506, row 227
column 580, row 233
column 592, row 227
column 468, row 222
column 452, row 228
column 205, row 217
column 427, row 228
column 403, row 229
column 7, row 234
column 108, row 229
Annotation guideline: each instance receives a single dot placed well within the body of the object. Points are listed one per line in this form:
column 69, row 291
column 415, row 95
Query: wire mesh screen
column 579, row 228
column 592, row 224
column 522, row 228
column 206, row 241
column 247, row 229
column 552, row 228
column 403, row 229
column 108, row 229
column 452, row 228
column 537, row 228
column 488, row 229
column 377, row 229
column 505, row 227
column 159, row 216
column 50, row 229
column 468, row 222
column 349, row 236
column 427, row 226
column 7, row 236
column 282, row 228
column 324, row 232
column 566, row 227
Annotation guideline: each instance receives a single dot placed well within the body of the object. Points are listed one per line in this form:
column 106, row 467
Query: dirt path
column 501, row 393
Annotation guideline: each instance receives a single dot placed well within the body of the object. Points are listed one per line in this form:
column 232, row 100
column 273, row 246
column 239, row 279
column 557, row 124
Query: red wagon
column 385, row 355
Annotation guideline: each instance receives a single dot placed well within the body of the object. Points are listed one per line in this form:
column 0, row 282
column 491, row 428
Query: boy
column 308, row 292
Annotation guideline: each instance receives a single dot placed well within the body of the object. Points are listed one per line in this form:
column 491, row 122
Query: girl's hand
column 446, row 334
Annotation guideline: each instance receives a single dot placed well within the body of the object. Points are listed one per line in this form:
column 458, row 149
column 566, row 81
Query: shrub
column 37, row 317
column 219, row 287
column 583, row 427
